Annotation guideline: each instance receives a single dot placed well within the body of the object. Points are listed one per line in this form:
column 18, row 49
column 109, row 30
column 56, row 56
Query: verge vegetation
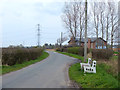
column 72, row 55
column 12, row 56
column 107, row 71
column 99, row 80
column 6, row 69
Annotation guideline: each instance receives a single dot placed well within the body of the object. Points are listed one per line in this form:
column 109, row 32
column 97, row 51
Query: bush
column 73, row 50
column 59, row 49
column 102, row 53
column 77, row 50
column 119, row 67
column 19, row 55
column 119, row 56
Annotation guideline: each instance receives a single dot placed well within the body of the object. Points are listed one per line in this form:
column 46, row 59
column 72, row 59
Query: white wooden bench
column 86, row 64
column 90, row 69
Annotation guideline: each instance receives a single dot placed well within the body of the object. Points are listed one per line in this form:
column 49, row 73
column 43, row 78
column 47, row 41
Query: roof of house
column 115, row 46
column 83, row 39
column 93, row 39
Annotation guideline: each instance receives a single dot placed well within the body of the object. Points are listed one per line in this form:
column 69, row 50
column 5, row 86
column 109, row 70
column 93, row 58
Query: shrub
column 73, row 50
column 81, row 51
column 102, row 53
column 77, row 50
column 57, row 49
column 19, row 55
column 119, row 56
column 119, row 67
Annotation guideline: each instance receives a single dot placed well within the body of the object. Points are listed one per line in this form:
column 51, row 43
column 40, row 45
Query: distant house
column 116, row 48
column 91, row 42
column 46, row 46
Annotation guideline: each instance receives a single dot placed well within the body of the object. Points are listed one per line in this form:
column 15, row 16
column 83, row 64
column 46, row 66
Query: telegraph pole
column 85, row 45
column 119, row 27
column 61, row 39
column 38, row 35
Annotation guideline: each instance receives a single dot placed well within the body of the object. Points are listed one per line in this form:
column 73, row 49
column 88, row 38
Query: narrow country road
column 49, row 73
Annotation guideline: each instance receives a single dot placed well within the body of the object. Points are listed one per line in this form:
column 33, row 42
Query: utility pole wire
column 38, row 35
column 85, row 45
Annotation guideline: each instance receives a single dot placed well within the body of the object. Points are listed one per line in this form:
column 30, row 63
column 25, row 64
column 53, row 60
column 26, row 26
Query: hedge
column 102, row 53
column 73, row 50
column 96, row 53
column 11, row 56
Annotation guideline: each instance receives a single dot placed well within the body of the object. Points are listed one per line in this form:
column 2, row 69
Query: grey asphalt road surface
column 52, row 72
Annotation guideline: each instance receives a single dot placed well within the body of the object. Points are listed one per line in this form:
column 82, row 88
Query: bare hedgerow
column 102, row 53
column 12, row 56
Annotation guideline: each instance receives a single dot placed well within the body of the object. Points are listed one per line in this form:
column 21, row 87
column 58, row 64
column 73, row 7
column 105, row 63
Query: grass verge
column 116, row 52
column 72, row 55
column 7, row 69
column 114, row 58
column 99, row 80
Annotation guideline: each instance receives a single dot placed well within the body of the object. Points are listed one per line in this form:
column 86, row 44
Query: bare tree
column 102, row 7
column 75, row 17
column 114, row 21
column 96, row 19
column 70, row 17
column 61, row 40
column 104, row 17
column 67, row 18
column 107, row 19
column 81, row 19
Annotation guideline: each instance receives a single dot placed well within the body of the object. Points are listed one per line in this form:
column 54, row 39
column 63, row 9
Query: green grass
column 7, row 69
column 114, row 58
column 109, row 69
column 116, row 52
column 72, row 55
column 99, row 80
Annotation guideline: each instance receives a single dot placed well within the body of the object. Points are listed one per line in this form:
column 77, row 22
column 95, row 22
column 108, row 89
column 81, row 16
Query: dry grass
column 50, row 49
column 113, row 63
column 89, row 55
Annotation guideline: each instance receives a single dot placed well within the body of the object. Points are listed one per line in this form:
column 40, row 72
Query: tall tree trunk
column 112, row 31
column 96, row 21
column 102, row 36
column 81, row 16
column 97, row 39
column 102, row 26
column 80, row 37
column 97, row 30
column 111, row 41
column 107, row 33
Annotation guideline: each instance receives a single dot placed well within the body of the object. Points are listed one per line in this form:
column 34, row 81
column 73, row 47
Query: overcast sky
column 20, row 19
